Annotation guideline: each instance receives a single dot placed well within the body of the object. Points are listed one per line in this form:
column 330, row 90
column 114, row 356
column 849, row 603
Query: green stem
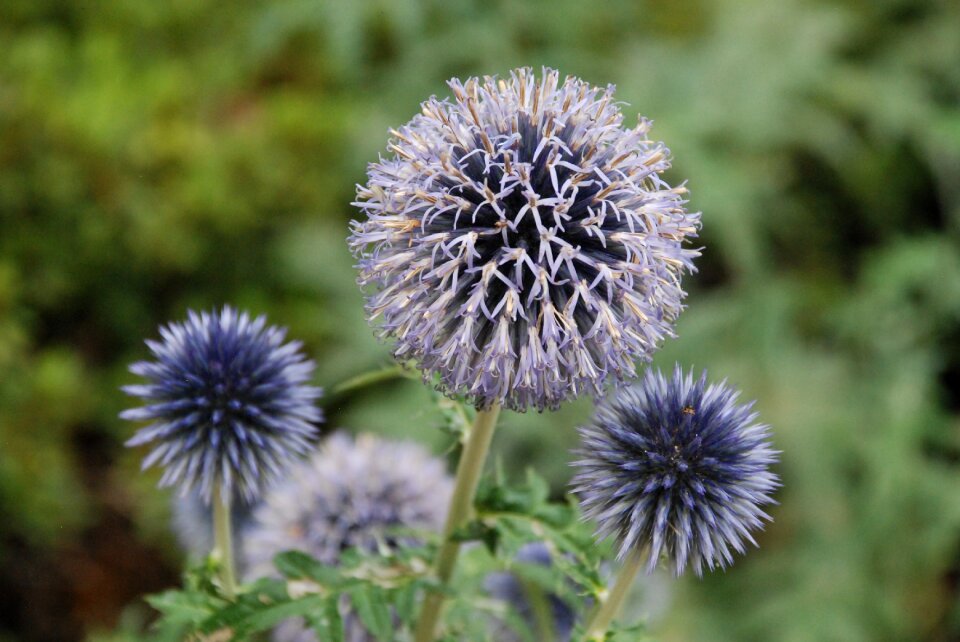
column 607, row 609
column 368, row 379
column 223, row 541
column 540, row 606
column 468, row 475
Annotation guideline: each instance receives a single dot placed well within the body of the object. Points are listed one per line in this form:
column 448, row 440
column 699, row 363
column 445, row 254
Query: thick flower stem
column 607, row 609
column 223, row 541
column 468, row 475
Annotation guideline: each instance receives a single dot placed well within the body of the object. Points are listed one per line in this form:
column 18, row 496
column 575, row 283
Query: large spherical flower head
column 352, row 493
column 677, row 466
column 229, row 402
column 522, row 243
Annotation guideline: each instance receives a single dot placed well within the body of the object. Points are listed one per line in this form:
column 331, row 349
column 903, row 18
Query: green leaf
column 371, row 605
column 405, row 603
column 181, row 607
column 328, row 623
column 298, row 565
column 250, row 618
column 481, row 531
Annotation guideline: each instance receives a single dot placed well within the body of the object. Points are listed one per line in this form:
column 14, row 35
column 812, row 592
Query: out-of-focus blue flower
column 677, row 466
column 352, row 493
column 507, row 587
column 521, row 243
column 229, row 402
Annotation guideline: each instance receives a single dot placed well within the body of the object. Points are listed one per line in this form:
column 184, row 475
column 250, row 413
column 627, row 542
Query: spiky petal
column 679, row 467
column 521, row 242
column 229, row 402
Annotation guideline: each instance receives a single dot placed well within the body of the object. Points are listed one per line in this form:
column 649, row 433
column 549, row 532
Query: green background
column 156, row 156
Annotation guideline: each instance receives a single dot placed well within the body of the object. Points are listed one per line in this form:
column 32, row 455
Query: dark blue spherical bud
column 679, row 467
column 229, row 402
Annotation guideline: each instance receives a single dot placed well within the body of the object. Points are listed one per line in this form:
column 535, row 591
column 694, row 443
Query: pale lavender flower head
column 677, row 466
column 229, row 402
column 521, row 242
column 361, row 492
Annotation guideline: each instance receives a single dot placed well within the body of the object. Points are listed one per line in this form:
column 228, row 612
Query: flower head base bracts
column 522, row 243
column 352, row 493
column 677, row 466
column 229, row 402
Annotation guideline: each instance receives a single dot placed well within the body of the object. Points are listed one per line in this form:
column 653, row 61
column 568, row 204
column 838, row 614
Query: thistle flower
column 679, row 467
column 522, row 244
column 229, row 402
column 506, row 587
column 350, row 494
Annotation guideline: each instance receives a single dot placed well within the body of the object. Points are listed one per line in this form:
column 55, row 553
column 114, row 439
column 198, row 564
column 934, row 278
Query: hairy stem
column 607, row 609
column 468, row 475
column 223, row 541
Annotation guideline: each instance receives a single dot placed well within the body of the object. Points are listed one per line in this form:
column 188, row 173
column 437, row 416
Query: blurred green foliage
column 156, row 156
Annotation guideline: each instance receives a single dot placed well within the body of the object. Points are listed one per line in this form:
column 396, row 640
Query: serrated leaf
column 370, row 604
column 537, row 487
column 328, row 623
column 182, row 607
column 405, row 603
column 299, row 565
column 479, row 531
column 252, row 616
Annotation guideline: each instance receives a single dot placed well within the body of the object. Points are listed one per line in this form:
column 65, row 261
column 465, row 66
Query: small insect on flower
column 677, row 466
column 229, row 402
column 521, row 243
column 352, row 493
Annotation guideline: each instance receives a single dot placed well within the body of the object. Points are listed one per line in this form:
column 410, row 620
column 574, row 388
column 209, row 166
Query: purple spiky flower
column 677, row 466
column 521, row 242
column 229, row 402
column 361, row 492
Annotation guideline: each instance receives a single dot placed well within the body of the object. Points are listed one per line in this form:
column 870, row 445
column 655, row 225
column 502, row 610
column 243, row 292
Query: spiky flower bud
column 353, row 493
column 677, row 466
column 521, row 242
column 229, row 404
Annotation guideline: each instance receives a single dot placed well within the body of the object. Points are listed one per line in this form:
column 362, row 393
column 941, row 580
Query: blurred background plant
column 156, row 156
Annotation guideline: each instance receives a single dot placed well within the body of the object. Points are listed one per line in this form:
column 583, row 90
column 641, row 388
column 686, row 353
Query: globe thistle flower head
column 229, row 402
column 352, row 493
column 677, row 466
column 521, row 243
